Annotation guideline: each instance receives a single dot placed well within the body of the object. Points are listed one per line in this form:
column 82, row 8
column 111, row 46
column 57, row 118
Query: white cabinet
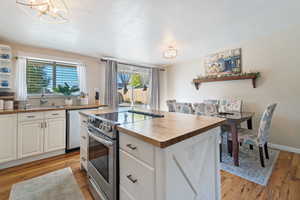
column 55, row 134
column 41, row 132
column 83, row 142
column 8, row 137
column 30, row 138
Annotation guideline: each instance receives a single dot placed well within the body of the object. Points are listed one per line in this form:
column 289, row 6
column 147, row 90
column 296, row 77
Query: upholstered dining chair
column 171, row 105
column 225, row 106
column 261, row 136
column 186, row 108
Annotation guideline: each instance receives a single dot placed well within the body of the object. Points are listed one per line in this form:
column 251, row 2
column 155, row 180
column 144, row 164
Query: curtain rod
column 104, row 59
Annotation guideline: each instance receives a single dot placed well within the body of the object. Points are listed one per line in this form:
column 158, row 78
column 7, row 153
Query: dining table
column 233, row 121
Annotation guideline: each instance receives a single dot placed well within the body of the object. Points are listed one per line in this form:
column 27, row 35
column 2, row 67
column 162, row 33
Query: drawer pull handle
column 83, row 137
column 84, row 121
column 131, row 179
column 132, row 147
column 31, row 116
column 55, row 114
column 83, row 159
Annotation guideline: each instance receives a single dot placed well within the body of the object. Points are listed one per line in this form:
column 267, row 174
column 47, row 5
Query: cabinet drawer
column 83, row 158
column 136, row 177
column 83, row 138
column 137, row 148
column 83, row 120
column 55, row 114
column 30, row 116
column 124, row 195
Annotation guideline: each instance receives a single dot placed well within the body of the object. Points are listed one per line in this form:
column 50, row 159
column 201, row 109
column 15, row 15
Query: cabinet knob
column 132, row 147
column 83, row 137
column 84, row 159
column 131, row 179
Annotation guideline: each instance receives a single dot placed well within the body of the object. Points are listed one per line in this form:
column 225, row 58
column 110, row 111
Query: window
column 133, row 86
column 48, row 75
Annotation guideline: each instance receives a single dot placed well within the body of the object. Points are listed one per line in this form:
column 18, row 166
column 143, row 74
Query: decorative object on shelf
column 226, row 62
column 97, row 96
column 67, row 91
column 52, row 11
column 84, row 98
column 170, row 53
column 226, row 77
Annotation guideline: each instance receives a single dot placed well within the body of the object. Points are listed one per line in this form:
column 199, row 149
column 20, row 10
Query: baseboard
column 30, row 159
column 284, row 148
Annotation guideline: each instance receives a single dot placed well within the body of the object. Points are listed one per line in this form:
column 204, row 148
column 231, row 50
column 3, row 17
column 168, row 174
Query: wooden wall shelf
column 197, row 82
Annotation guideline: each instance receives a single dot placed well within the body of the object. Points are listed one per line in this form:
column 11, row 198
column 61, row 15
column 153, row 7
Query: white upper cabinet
column 8, row 137
column 55, row 134
column 30, row 138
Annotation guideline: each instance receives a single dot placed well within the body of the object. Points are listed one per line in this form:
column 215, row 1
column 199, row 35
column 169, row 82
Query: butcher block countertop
column 168, row 130
column 50, row 108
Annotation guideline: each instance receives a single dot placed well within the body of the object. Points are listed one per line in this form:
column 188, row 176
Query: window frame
column 54, row 64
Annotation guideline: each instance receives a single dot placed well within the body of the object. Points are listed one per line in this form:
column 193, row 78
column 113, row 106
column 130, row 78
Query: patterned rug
column 58, row 185
column 250, row 167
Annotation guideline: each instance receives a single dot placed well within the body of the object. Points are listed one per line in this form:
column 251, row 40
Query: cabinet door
column 55, row 134
column 8, row 138
column 30, row 138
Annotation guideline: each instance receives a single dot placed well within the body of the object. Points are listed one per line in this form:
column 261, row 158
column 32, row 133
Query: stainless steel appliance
column 103, row 155
column 73, row 129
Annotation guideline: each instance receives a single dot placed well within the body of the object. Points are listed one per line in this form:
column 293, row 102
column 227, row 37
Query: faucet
column 43, row 99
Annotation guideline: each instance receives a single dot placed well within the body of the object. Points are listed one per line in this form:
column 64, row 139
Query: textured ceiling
column 140, row 30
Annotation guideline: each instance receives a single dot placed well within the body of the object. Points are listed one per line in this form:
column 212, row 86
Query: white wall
column 277, row 57
column 95, row 69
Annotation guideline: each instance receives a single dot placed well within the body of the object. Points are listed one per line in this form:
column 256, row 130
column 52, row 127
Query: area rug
column 250, row 167
column 58, row 185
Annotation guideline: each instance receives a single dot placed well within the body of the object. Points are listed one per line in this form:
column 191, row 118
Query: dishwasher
column 73, row 129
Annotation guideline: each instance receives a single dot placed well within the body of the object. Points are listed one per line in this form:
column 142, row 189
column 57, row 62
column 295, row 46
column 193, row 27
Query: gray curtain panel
column 111, row 90
column 155, row 91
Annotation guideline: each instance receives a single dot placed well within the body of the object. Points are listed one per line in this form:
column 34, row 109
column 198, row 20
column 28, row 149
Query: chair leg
column 251, row 146
column 229, row 146
column 241, row 144
column 220, row 152
column 261, row 155
column 266, row 150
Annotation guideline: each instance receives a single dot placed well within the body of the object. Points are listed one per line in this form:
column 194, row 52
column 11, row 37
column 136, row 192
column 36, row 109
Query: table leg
column 249, row 123
column 235, row 144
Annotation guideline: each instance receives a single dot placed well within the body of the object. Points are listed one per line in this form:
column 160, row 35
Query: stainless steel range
column 103, row 155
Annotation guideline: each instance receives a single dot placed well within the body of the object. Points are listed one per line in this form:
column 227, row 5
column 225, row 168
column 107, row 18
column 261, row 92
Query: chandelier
column 170, row 53
column 52, row 11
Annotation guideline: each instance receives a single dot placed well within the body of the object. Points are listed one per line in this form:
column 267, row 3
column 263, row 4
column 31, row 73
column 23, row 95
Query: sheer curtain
column 20, row 79
column 81, row 72
column 155, row 91
column 111, row 81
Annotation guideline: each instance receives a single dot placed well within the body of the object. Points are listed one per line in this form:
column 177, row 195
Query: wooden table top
column 171, row 129
column 41, row 109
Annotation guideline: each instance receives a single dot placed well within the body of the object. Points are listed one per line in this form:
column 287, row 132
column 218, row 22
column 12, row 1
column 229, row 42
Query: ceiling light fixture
column 170, row 53
column 52, row 11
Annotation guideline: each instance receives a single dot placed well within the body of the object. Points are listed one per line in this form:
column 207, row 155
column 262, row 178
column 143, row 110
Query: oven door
column 102, row 162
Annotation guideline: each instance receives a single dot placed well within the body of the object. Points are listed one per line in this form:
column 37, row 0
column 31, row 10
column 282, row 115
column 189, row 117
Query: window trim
column 54, row 64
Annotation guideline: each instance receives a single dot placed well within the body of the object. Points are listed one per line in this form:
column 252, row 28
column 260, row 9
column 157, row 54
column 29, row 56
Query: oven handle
column 99, row 139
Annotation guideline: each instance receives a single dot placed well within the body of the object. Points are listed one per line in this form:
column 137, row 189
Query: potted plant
column 67, row 91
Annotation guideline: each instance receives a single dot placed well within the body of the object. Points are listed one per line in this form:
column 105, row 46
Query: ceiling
column 139, row 30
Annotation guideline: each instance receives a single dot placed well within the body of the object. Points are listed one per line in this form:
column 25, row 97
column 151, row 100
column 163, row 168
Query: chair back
column 184, row 108
column 265, row 124
column 171, row 105
column 226, row 105
column 199, row 108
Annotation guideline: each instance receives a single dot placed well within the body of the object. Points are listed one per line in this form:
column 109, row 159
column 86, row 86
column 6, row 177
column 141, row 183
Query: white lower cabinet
column 55, row 134
column 30, row 138
column 41, row 132
column 136, row 177
column 8, row 137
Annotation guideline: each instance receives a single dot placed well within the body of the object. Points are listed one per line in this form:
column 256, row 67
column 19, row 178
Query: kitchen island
column 174, row 157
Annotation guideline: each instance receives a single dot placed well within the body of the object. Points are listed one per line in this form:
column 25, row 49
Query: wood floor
column 284, row 183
